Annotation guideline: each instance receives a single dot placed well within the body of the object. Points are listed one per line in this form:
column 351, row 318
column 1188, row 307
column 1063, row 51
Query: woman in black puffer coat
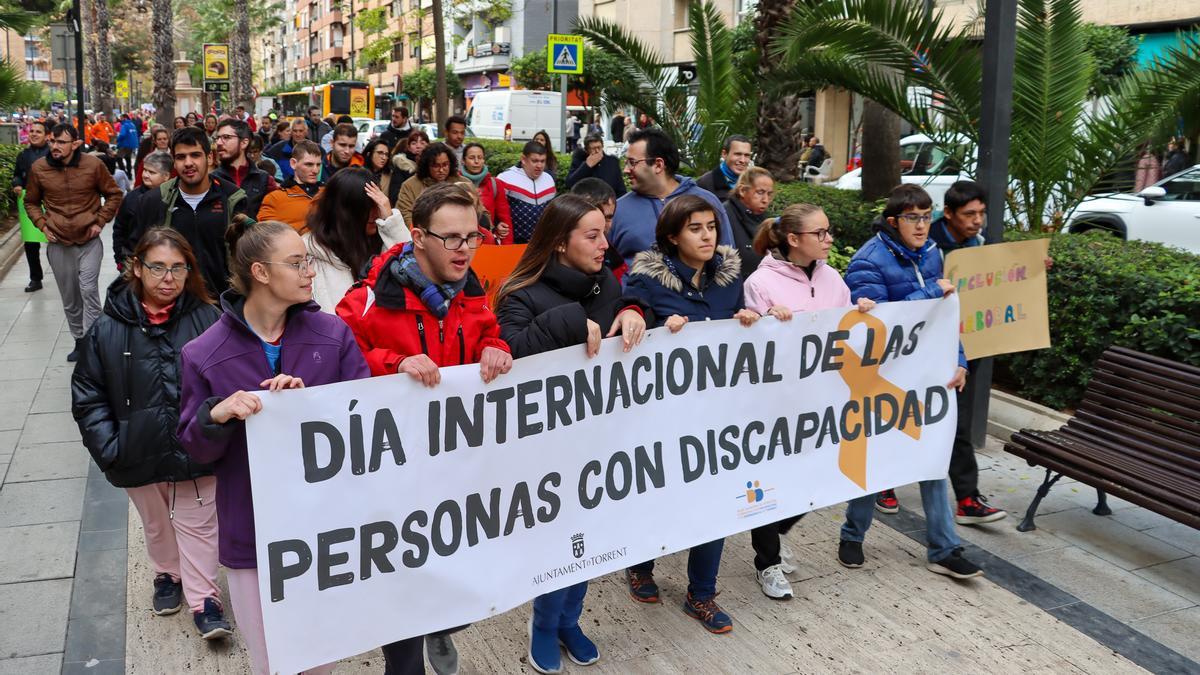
column 562, row 295
column 125, row 398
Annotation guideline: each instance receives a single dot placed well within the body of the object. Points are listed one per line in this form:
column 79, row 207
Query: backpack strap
column 169, row 192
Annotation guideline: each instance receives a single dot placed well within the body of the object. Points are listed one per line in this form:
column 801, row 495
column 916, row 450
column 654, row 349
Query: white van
column 515, row 115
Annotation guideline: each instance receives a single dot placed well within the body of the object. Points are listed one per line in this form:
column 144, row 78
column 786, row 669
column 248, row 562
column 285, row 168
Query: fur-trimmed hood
column 724, row 268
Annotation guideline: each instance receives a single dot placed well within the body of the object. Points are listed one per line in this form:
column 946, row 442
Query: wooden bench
column 1136, row 435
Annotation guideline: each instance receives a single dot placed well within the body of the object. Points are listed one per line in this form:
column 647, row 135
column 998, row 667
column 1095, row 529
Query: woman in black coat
column 747, row 208
column 562, row 295
column 125, row 398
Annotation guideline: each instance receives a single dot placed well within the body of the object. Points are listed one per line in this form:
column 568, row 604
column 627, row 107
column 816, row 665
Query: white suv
column 1167, row 212
column 921, row 163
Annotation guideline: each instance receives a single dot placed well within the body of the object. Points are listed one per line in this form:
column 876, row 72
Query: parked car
column 368, row 130
column 1167, row 212
column 921, row 163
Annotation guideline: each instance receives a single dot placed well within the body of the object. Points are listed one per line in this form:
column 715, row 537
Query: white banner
column 386, row 510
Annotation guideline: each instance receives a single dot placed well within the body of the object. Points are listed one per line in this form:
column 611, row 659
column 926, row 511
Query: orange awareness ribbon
column 865, row 383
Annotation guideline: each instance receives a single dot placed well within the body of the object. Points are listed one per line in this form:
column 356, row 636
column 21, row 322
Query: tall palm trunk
column 779, row 124
column 880, row 150
column 442, row 97
column 164, row 70
column 105, row 87
column 87, row 23
column 241, row 88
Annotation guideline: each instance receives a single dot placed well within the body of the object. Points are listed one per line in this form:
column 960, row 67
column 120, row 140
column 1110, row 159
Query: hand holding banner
column 1002, row 291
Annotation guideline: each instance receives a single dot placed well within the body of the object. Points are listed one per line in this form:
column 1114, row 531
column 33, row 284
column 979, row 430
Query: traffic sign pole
column 562, row 114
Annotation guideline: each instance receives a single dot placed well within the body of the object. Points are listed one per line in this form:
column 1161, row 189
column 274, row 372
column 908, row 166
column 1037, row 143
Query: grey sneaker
column 443, row 656
column 774, row 584
column 787, row 559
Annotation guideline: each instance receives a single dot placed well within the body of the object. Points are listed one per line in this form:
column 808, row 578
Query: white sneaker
column 774, row 584
column 788, row 559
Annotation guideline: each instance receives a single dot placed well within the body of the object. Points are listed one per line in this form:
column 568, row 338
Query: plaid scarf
column 436, row 297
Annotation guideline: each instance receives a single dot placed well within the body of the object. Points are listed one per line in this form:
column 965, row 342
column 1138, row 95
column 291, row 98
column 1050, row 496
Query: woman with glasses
column 125, row 397
column 271, row 336
column 561, row 295
column 746, row 207
column 349, row 222
column 437, row 164
column 901, row 263
column 793, row 277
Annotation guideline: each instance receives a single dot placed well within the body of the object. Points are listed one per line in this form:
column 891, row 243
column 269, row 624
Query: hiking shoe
column 211, row 622
column 774, row 584
column 581, row 650
column 956, row 566
column 787, row 559
column 168, row 595
column 443, row 656
column 544, row 654
column 974, row 510
column 641, row 585
column 708, row 613
column 886, row 502
column 850, row 554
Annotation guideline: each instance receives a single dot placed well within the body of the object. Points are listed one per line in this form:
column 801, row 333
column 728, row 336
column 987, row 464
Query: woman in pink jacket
column 793, row 277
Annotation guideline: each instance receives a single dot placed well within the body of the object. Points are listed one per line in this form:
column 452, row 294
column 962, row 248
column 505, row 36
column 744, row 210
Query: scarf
column 476, row 178
column 730, row 177
column 436, row 297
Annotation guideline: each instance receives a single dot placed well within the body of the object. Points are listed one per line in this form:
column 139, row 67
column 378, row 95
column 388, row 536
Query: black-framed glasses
column 633, row 161
column 305, row 265
column 455, row 242
column 159, row 271
column 821, row 235
column 226, row 137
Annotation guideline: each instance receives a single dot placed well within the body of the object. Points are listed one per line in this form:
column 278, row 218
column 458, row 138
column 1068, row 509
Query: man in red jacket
column 420, row 308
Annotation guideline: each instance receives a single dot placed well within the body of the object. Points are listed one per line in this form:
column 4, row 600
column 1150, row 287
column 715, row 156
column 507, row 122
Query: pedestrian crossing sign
column 564, row 54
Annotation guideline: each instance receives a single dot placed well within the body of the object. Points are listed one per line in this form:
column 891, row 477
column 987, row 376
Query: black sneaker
column 168, row 595
column 850, row 554
column 33, row 286
column 641, row 586
column 956, row 566
column 211, row 622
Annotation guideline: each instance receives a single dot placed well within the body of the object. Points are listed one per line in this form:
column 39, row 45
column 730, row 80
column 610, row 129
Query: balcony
column 489, row 56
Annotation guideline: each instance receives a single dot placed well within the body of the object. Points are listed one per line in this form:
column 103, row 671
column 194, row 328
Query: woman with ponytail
column 793, row 277
column 271, row 336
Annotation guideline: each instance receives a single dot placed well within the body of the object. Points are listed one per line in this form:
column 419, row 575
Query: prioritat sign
column 564, row 54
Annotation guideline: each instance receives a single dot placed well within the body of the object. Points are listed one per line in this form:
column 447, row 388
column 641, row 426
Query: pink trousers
column 247, row 611
column 184, row 546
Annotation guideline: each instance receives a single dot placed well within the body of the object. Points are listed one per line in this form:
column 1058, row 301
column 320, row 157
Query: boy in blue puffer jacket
column 901, row 263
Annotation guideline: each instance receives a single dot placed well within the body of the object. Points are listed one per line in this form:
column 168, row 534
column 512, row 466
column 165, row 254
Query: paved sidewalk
column 1081, row 594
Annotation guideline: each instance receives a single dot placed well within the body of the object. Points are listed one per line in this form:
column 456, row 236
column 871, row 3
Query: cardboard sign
column 1002, row 297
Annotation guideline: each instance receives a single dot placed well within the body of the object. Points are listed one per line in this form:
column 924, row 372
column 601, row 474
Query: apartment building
column 487, row 34
column 31, row 54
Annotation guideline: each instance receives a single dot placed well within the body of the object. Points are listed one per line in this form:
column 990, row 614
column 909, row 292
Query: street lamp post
column 74, row 21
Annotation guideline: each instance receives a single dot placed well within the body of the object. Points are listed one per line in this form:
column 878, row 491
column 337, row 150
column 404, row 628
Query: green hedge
column 849, row 216
column 1104, row 291
column 8, row 162
column 504, row 154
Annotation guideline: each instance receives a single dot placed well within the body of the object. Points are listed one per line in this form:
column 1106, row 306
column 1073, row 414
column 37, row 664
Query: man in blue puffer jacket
column 901, row 263
column 128, row 137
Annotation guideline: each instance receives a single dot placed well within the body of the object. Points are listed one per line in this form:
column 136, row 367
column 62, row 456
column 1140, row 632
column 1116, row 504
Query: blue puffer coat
column 885, row 270
column 665, row 283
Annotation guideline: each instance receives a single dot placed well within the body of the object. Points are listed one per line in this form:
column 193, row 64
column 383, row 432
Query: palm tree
column 241, row 88
column 929, row 73
column 778, row 111
column 725, row 100
column 442, row 97
column 11, row 77
column 164, row 69
column 105, row 87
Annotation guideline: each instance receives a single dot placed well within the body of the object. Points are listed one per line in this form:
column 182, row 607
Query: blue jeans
column 939, row 519
column 704, row 561
column 559, row 609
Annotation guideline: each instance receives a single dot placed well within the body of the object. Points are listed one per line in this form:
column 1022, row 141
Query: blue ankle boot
column 580, row 649
column 544, row 654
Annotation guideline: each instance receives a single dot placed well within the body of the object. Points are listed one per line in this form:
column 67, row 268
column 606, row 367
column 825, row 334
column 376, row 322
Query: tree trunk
column 442, row 98
column 105, row 87
column 164, row 70
column 91, row 75
column 241, row 87
column 880, row 151
column 779, row 124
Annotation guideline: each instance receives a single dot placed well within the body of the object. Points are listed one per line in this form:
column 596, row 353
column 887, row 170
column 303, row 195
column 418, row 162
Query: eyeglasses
column 632, row 162
column 227, row 137
column 913, row 218
column 821, row 235
column 159, row 271
column 305, row 265
column 455, row 242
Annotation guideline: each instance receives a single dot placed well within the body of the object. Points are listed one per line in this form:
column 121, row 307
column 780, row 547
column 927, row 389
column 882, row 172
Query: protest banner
column 384, row 509
column 493, row 264
column 1002, row 297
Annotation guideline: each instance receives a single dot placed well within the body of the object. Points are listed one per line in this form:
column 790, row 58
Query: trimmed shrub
column 1104, row 291
column 8, row 163
column 849, row 216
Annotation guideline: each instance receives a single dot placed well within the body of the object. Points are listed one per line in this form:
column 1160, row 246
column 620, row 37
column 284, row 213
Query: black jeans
column 964, row 470
column 406, row 657
column 765, row 540
column 33, row 256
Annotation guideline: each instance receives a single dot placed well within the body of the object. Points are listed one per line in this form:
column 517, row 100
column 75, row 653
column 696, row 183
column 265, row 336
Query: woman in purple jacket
column 271, row 336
